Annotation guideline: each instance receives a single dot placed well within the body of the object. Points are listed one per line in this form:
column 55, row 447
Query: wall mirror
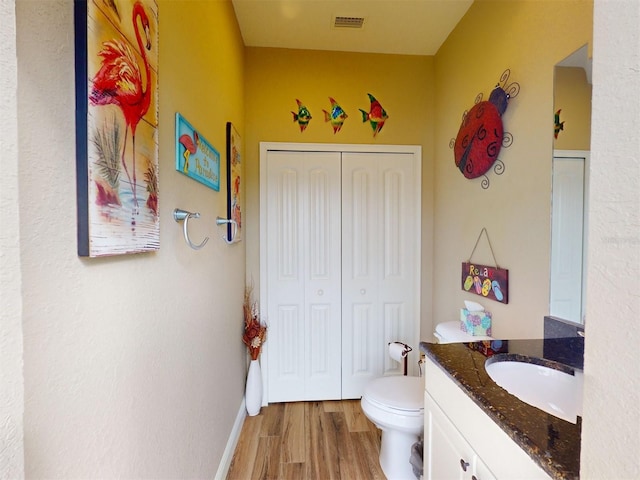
column 570, row 183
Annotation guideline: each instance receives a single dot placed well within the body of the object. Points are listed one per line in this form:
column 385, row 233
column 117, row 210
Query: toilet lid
column 397, row 391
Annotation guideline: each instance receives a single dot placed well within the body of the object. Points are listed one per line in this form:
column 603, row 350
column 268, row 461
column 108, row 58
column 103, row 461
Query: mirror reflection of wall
column 572, row 110
column 572, row 96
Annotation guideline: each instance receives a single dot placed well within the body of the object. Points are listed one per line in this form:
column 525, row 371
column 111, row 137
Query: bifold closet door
column 380, row 263
column 304, row 275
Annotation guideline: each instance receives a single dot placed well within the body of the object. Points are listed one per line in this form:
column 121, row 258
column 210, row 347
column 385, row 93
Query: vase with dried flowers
column 254, row 336
column 255, row 332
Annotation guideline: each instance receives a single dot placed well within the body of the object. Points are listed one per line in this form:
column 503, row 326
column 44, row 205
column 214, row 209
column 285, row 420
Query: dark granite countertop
column 552, row 443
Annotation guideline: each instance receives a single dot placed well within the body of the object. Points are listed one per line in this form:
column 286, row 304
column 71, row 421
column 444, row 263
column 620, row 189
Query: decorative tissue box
column 475, row 323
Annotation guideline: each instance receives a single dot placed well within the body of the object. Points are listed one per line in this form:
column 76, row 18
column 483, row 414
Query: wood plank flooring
column 308, row 440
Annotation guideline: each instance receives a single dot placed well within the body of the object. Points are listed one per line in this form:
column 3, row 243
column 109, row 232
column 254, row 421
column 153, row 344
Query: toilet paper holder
column 403, row 354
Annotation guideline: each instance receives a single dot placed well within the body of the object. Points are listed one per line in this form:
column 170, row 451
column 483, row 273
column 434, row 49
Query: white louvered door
column 341, row 262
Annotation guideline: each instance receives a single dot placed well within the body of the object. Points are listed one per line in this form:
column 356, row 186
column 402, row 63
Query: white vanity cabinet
column 462, row 441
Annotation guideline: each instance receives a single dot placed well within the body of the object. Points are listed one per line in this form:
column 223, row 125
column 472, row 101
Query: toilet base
column 395, row 452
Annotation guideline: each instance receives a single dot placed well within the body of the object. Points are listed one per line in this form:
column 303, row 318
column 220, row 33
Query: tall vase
column 253, row 392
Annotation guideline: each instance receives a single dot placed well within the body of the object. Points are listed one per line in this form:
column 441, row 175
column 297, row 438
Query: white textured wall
column 611, row 422
column 11, row 379
column 134, row 365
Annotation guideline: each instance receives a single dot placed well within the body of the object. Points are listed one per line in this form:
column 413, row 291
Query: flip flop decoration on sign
column 481, row 134
column 336, row 116
column 303, row 116
column 376, row 115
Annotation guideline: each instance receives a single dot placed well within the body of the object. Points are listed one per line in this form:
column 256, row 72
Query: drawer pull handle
column 463, row 465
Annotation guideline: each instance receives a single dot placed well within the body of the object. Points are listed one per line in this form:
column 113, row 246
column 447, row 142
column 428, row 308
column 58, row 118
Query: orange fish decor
column 303, row 116
column 336, row 116
column 376, row 116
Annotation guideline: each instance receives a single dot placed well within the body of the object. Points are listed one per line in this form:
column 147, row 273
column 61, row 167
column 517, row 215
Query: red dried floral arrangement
column 255, row 332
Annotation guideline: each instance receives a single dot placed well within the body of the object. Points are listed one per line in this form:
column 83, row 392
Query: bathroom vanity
column 475, row 429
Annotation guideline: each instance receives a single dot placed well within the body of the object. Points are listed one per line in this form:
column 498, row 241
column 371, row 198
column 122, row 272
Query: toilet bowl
column 395, row 404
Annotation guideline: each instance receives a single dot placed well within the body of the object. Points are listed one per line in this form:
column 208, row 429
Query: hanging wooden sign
column 486, row 281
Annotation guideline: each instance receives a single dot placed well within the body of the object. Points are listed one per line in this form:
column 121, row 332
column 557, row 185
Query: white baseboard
column 232, row 442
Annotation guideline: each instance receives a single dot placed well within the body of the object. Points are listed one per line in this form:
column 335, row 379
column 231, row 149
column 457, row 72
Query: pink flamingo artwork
column 119, row 82
column 190, row 148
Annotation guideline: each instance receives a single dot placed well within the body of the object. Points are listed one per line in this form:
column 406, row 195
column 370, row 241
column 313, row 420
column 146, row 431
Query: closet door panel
column 322, row 277
column 285, row 262
column 303, row 280
column 380, row 252
column 399, row 250
column 362, row 335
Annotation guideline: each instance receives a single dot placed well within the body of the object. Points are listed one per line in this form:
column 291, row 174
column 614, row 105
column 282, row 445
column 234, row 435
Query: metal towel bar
column 180, row 215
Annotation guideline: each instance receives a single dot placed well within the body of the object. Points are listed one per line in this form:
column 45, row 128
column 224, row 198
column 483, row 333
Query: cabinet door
column 481, row 471
column 447, row 455
column 303, row 279
column 380, row 264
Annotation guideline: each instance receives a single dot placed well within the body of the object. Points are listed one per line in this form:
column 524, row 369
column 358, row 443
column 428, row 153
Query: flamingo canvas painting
column 117, row 126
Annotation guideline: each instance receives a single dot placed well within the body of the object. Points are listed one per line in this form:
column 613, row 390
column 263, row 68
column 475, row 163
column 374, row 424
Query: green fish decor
column 302, row 117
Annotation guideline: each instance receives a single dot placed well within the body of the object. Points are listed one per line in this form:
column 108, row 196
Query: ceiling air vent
column 348, row 22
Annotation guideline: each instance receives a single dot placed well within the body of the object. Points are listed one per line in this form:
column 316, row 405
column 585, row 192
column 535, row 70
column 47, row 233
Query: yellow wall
column 529, row 38
column 402, row 84
column 133, row 365
column 425, row 98
column 572, row 94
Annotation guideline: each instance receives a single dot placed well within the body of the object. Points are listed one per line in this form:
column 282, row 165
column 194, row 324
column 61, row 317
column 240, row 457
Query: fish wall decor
column 303, row 116
column 376, row 115
column 336, row 116
column 557, row 124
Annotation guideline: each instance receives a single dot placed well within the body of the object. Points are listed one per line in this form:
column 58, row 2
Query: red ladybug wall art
column 481, row 134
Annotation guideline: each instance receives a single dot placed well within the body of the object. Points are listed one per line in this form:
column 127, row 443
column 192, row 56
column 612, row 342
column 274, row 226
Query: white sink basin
column 554, row 391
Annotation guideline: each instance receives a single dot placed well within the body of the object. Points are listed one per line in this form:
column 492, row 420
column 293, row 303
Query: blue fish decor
column 303, row 116
column 336, row 116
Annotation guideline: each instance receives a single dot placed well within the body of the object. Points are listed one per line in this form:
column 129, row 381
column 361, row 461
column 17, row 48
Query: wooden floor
column 308, row 440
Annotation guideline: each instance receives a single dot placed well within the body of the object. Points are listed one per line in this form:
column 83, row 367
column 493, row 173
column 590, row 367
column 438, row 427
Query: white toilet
column 395, row 404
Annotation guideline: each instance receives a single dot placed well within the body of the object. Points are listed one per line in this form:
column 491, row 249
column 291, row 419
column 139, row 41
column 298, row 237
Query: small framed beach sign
column 487, row 281
column 195, row 157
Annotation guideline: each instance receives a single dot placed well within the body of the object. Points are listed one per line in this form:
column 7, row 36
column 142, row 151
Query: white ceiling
column 410, row 27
